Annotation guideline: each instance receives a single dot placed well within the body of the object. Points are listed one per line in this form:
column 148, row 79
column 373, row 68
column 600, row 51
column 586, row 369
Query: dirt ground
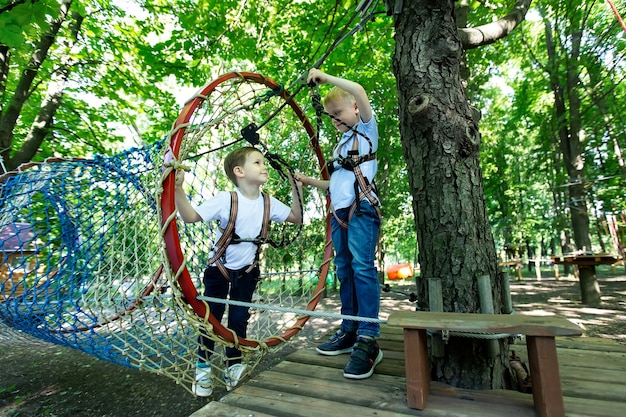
column 42, row 379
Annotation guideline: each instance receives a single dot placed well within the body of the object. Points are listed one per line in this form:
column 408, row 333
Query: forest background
column 98, row 77
column 501, row 122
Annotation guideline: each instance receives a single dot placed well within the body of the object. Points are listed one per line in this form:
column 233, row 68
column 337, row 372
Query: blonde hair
column 336, row 94
column 237, row 158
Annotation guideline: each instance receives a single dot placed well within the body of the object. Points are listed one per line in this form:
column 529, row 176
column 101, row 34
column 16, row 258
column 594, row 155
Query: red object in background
column 400, row 271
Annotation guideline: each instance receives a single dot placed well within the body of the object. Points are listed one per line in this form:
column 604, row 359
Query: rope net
column 94, row 257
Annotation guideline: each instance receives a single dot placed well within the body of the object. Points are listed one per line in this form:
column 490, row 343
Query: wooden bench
column 539, row 331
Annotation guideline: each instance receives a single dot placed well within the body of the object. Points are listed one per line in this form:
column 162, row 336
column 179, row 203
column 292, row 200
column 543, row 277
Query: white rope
column 290, row 310
column 310, row 313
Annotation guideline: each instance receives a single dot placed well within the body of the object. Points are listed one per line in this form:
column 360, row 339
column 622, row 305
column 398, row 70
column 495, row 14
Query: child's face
column 344, row 110
column 254, row 169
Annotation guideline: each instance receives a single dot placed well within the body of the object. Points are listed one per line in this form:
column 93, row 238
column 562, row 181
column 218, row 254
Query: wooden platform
column 586, row 259
column 306, row 384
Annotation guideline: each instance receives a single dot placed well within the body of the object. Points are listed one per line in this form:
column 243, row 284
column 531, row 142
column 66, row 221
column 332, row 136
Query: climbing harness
column 230, row 237
column 363, row 189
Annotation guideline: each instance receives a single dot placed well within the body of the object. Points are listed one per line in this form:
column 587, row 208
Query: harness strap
column 227, row 232
column 361, row 183
column 230, row 237
column 365, row 186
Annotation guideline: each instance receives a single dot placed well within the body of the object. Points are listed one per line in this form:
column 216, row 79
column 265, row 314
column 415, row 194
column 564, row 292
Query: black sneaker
column 365, row 356
column 340, row 342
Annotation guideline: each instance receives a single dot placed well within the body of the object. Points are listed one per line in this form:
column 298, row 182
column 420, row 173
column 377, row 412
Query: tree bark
column 441, row 141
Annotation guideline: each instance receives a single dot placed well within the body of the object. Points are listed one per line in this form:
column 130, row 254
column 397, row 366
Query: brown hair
column 237, row 158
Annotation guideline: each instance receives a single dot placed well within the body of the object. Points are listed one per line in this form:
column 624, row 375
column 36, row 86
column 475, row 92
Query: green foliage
column 525, row 180
column 134, row 63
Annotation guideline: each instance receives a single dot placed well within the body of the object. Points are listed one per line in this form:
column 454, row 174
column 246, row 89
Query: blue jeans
column 355, row 253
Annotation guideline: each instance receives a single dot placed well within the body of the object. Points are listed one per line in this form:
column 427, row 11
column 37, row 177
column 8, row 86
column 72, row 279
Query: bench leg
column 417, row 367
column 544, row 374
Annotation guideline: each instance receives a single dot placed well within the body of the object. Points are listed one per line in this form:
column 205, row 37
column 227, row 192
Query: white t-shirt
column 247, row 225
column 342, row 180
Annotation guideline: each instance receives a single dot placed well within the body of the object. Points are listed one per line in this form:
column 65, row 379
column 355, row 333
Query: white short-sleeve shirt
column 247, row 225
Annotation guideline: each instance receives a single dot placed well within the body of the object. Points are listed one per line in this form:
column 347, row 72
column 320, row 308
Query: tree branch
column 11, row 5
column 487, row 34
column 9, row 118
column 41, row 126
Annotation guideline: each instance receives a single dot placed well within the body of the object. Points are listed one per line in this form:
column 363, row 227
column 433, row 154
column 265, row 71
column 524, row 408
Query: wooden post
column 538, row 269
column 507, row 304
column 435, row 300
column 417, row 368
column 486, row 307
column 544, row 371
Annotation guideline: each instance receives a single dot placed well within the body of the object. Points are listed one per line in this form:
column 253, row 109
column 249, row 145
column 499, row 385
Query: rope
column 246, row 109
column 102, row 228
column 309, row 313
column 445, row 335
column 343, row 35
column 302, row 312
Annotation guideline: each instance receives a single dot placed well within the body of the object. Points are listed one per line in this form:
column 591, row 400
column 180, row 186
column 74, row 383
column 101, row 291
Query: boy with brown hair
column 235, row 271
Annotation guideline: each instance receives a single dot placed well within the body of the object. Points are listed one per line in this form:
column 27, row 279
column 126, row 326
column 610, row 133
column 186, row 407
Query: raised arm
column 313, row 182
column 295, row 216
column 186, row 211
column 362, row 101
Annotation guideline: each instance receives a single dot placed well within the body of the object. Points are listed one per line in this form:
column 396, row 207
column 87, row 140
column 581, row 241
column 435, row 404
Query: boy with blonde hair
column 355, row 223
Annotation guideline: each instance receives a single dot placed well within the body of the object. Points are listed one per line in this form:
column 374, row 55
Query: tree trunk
column 440, row 141
column 568, row 127
column 40, row 129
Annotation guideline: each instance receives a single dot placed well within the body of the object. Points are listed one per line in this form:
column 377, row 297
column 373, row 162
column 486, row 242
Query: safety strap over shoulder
column 362, row 187
column 229, row 236
column 228, row 231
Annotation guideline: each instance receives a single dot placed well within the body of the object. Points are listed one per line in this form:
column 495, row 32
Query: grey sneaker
column 340, row 342
column 365, row 356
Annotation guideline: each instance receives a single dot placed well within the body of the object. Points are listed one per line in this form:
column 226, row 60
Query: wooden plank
column 391, row 346
column 485, row 323
column 218, row 409
column 309, row 404
column 572, row 373
column 596, row 344
column 392, row 363
column 325, row 374
column 390, row 384
column 311, row 385
column 417, row 368
column 374, row 391
column 587, row 260
column 584, row 359
column 293, row 405
column 594, row 390
column 586, row 407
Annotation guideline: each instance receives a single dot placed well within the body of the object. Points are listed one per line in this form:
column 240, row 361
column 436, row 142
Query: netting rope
column 93, row 256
